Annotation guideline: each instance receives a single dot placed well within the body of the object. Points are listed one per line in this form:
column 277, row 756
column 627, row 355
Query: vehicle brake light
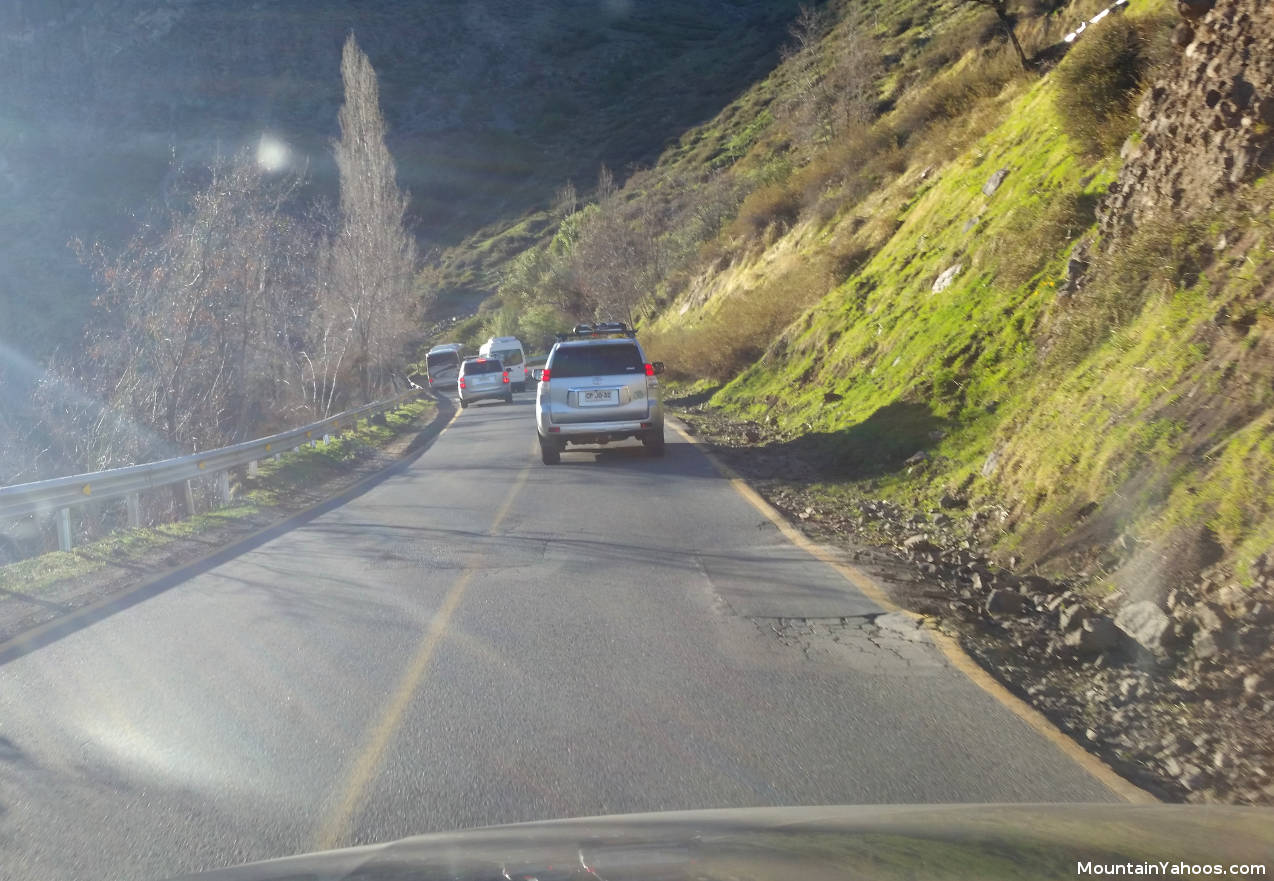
column 650, row 369
column 506, row 376
column 544, row 375
column 462, row 382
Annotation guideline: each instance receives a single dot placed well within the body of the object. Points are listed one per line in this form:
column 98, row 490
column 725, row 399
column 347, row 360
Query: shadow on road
column 56, row 629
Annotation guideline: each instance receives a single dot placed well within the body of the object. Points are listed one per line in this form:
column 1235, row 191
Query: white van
column 509, row 350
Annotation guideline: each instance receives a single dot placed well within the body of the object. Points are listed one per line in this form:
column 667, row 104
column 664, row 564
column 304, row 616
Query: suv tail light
column 650, row 369
column 506, row 376
column 462, row 382
column 544, row 375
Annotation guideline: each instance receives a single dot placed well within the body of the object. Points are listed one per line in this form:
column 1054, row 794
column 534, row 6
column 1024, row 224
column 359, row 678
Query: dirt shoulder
column 1180, row 701
column 38, row 591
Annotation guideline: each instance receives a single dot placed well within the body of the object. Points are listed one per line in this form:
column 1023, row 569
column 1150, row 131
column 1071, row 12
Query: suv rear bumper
column 494, row 394
column 586, row 432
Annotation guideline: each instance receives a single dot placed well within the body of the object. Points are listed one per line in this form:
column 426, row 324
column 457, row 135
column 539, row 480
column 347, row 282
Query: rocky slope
column 1208, row 126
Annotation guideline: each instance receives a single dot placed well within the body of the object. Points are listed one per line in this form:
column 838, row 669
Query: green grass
column 891, row 338
column 1124, row 416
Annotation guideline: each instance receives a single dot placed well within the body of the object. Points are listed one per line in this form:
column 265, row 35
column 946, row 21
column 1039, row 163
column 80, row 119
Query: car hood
column 783, row 844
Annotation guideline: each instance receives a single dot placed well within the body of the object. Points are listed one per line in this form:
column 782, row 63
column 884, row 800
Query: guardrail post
column 223, row 487
column 190, row 499
column 327, row 439
column 64, row 529
column 133, row 503
column 252, row 468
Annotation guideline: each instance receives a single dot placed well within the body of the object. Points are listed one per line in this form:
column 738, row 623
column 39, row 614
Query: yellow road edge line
column 370, row 758
column 949, row 647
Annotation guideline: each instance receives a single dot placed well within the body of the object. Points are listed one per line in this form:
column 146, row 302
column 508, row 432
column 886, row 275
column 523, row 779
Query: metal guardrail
column 62, row 493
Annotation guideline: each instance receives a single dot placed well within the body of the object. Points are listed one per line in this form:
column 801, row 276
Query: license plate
column 598, row 397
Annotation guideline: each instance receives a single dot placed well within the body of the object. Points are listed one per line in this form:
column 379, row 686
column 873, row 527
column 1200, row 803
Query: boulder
column 1097, row 636
column 1194, row 9
column 919, row 544
column 992, row 462
column 1258, row 683
column 1213, row 631
column 1147, row 624
column 947, row 276
column 1038, row 584
column 1071, row 618
column 993, row 182
column 1005, row 602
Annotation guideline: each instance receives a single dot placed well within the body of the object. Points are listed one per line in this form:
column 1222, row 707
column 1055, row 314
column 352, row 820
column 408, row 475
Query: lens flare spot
column 272, row 154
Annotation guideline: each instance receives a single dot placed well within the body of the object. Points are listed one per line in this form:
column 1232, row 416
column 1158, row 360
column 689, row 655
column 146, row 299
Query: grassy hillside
column 1122, row 428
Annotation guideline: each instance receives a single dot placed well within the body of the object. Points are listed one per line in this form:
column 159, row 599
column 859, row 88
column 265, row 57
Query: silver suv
column 596, row 387
column 481, row 379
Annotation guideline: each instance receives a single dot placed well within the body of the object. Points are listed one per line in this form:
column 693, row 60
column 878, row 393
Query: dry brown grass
column 1102, row 76
column 730, row 339
column 769, row 205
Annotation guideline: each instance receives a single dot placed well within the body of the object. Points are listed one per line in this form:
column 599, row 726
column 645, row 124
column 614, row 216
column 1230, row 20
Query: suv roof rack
column 596, row 331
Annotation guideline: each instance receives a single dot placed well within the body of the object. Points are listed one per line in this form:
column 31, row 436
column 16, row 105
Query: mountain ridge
column 491, row 105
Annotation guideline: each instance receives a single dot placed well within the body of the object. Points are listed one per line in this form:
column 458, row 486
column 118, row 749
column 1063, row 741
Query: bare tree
column 198, row 324
column 617, row 255
column 1008, row 23
column 852, row 78
column 834, row 75
column 374, row 256
column 806, row 30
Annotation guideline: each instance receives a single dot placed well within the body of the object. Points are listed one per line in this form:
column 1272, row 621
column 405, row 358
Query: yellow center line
column 382, row 733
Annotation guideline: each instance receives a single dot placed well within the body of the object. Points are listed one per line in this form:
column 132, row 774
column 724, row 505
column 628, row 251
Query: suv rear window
column 441, row 359
column 572, row 362
column 488, row 366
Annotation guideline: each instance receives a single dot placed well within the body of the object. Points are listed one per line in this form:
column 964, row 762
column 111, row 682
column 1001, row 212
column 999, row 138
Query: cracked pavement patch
column 882, row 642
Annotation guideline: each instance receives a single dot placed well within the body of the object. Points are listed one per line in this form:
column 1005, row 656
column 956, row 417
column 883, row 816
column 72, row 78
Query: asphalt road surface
column 483, row 639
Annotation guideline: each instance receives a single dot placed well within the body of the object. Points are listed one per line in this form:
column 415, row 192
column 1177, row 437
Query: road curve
column 483, row 639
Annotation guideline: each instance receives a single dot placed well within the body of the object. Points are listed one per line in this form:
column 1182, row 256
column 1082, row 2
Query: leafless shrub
column 833, row 77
